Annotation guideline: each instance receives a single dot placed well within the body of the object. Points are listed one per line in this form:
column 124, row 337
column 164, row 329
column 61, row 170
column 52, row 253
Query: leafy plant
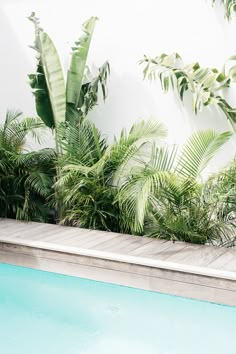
column 220, row 192
column 58, row 106
column 162, row 197
column 204, row 84
column 139, row 187
column 25, row 178
column 230, row 7
column 91, row 169
column 55, row 103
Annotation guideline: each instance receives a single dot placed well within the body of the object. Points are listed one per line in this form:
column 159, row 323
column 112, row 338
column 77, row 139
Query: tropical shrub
column 25, row 178
column 165, row 197
column 203, row 83
column 192, row 212
column 91, row 169
column 142, row 187
column 220, row 193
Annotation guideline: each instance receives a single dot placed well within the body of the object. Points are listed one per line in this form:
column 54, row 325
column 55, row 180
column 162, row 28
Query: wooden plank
column 187, row 251
column 230, row 264
column 226, row 258
column 151, row 249
column 115, row 242
column 23, row 230
column 128, row 245
column 37, row 233
column 42, row 232
column 127, row 249
column 203, row 256
column 166, row 253
column 94, row 239
column 63, row 234
column 68, row 230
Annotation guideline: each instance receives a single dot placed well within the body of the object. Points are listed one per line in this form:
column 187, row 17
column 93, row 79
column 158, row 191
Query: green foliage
column 54, row 103
column 203, row 83
column 64, row 109
column 220, row 192
column 201, row 148
column 91, row 170
column 137, row 186
column 25, row 178
column 78, row 63
column 48, row 82
column 184, row 210
column 162, row 197
column 230, row 7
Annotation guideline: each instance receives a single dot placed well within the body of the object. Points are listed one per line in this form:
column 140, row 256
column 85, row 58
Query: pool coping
column 209, row 272
column 193, row 271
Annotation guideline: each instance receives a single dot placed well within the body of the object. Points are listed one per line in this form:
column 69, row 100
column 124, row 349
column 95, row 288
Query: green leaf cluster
column 140, row 185
column 26, row 178
column 205, row 84
column 230, row 7
column 57, row 102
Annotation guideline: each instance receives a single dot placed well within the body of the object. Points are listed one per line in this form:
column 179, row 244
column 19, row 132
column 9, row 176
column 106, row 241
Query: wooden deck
column 200, row 272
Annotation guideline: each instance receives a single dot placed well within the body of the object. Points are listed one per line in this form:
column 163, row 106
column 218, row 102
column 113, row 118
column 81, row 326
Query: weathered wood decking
column 200, row 272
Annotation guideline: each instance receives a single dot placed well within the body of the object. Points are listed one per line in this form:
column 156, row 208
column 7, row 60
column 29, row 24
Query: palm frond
column 203, row 83
column 199, row 150
column 230, row 7
column 138, row 188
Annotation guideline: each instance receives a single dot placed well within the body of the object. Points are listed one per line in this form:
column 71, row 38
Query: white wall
column 127, row 29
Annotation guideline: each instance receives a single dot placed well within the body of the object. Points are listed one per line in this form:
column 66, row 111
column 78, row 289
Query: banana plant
column 58, row 103
column 205, row 84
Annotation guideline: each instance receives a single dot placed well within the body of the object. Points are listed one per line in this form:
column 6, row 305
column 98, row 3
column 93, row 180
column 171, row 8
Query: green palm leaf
column 199, row 150
column 138, row 188
column 203, row 83
column 230, row 7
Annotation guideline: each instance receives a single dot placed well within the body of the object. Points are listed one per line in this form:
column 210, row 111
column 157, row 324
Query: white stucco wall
column 127, row 30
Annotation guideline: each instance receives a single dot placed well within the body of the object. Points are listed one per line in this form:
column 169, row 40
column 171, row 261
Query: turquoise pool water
column 47, row 313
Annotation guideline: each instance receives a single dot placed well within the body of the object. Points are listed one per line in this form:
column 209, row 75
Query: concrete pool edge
column 200, row 283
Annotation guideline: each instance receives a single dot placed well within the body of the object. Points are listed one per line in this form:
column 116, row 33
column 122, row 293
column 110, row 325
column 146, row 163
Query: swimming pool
column 47, row 313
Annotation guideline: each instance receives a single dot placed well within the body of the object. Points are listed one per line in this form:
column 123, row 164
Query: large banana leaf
column 78, row 63
column 48, row 82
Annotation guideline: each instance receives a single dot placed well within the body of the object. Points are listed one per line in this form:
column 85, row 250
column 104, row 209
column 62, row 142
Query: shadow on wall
column 14, row 89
